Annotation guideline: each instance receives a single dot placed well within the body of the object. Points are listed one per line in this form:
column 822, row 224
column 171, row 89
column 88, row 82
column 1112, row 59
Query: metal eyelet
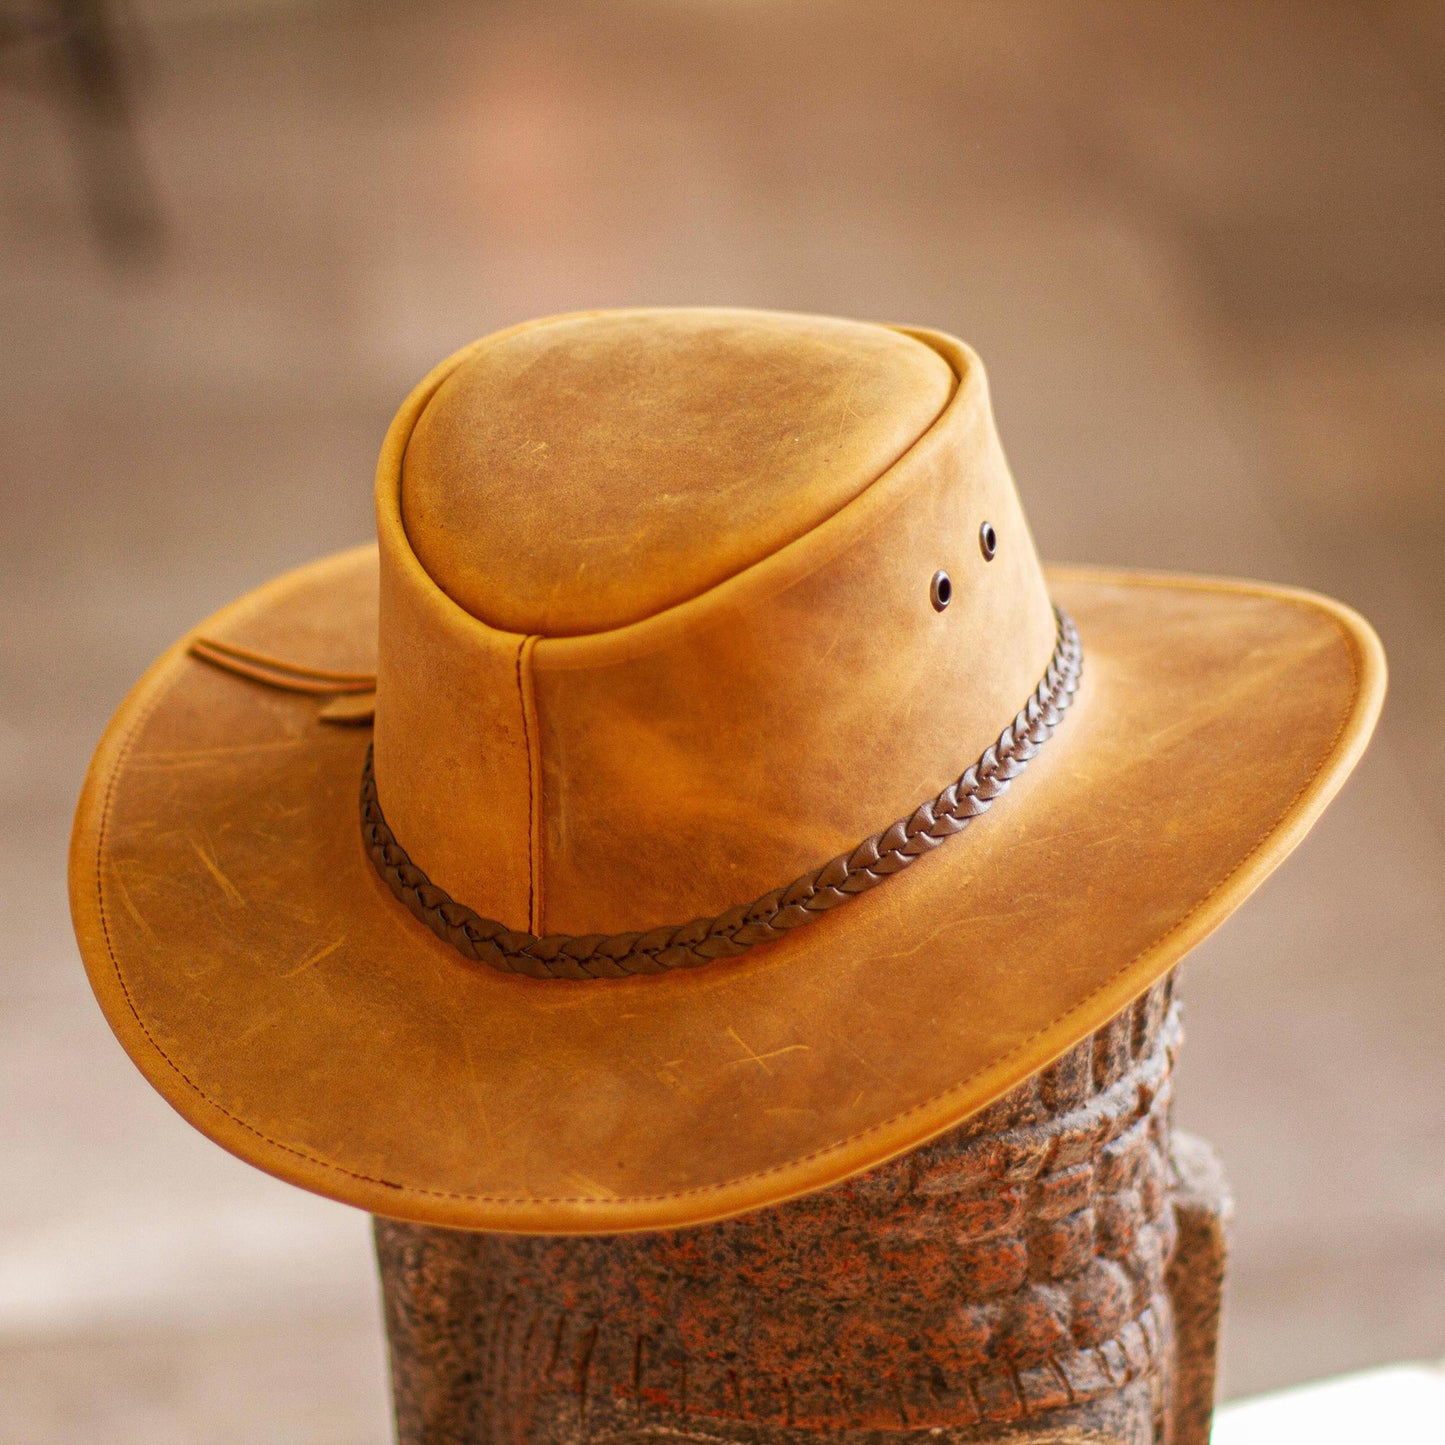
column 987, row 541
column 940, row 592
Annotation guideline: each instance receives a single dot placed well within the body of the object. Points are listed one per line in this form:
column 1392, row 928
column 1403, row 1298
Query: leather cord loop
column 689, row 945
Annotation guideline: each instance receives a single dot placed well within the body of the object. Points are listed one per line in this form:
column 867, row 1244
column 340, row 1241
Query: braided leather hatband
column 617, row 955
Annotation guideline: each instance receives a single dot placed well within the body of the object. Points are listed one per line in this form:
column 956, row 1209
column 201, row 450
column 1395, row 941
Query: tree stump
column 1048, row 1271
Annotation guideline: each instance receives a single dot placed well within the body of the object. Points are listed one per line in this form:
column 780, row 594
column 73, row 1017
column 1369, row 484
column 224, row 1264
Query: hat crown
column 593, row 718
column 590, row 471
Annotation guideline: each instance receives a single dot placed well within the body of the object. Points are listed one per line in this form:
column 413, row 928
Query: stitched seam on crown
column 772, row 1170
column 531, row 723
column 531, row 802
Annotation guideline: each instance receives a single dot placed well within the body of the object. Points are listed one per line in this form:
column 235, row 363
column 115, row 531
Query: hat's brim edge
column 826, row 1166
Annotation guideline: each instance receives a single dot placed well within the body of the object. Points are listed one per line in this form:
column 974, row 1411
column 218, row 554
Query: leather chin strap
column 278, row 673
column 688, row 945
column 351, row 696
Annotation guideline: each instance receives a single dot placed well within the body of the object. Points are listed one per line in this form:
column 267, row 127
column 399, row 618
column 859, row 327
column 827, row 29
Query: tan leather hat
column 695, row 629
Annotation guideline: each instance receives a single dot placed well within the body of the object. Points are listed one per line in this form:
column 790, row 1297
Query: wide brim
column 269, row 985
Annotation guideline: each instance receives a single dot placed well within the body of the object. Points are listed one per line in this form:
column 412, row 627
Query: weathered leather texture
column 600, row 783
column 272, row 988
column 765, row 919
column 575, row 475
column 270, row 985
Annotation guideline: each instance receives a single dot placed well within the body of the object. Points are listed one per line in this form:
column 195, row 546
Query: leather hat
column 744, row 803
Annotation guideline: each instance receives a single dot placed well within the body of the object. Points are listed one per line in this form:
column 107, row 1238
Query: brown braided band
column 617, row 955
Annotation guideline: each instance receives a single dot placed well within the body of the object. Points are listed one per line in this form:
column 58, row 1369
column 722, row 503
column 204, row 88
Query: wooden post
column 1045, row 1272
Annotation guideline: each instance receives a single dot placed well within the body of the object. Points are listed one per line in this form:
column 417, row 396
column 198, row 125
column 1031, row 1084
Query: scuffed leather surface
column 802, row 715
column 580, row 473
column 709, row 752
column 453, row 763
column 269, row 985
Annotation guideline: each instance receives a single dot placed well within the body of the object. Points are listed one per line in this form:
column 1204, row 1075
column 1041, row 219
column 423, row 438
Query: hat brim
column 268, row 984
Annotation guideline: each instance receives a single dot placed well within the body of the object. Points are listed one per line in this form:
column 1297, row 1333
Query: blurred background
column 1201, row 248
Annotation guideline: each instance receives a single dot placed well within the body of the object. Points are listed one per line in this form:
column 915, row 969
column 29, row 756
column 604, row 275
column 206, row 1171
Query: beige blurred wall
column 1199, row 247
